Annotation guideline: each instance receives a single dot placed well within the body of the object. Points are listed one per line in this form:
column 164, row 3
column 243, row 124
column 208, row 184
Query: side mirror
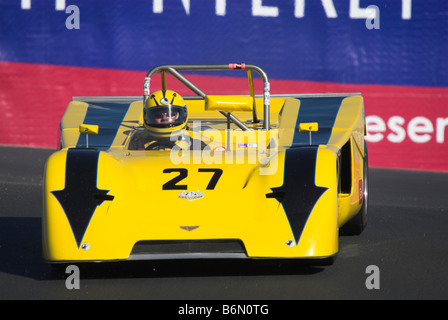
column 308, row 127
column 88, row 129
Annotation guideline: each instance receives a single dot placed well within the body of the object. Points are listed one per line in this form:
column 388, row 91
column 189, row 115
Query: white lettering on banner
column 157, row 6
column 360, row 13
column 441, row 125
column 330, row 11
column 406, row 10
column 59, row 5
column 220, row 7
column 329, row 8
column 261, row 10
column 418, row 129
column 25, row 4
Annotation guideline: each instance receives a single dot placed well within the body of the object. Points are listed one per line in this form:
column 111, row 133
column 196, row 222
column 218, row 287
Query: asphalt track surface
column 406, row 238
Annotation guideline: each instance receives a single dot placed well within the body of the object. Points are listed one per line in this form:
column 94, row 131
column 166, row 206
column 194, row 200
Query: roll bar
column 173, row 70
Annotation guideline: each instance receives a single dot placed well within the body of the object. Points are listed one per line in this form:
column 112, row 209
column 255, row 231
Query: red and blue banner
column 395, row 52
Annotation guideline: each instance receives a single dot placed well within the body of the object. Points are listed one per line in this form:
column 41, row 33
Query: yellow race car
column 169, row 177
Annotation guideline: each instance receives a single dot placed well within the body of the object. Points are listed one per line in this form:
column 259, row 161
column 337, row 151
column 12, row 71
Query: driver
column 165, row 113
column 165, row 117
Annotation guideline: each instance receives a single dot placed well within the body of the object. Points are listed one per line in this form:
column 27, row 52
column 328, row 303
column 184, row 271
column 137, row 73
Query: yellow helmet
column 164, row 113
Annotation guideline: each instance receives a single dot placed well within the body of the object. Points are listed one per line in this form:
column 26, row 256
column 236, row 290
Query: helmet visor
column 166, row 116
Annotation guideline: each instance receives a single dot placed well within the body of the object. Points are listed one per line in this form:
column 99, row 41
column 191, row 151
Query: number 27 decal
column 173, row 184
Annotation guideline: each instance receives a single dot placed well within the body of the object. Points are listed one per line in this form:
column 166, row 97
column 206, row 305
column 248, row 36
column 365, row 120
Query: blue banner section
column 403, row 42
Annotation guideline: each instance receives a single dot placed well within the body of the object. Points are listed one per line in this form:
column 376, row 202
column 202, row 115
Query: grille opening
column 345, row 175
column 214, row 246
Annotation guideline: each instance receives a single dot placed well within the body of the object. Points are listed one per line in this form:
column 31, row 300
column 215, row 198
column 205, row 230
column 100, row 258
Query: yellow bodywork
column 145, row 207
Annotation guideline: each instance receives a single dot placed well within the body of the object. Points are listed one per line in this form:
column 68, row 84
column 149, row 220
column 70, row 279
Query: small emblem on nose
column 189, row 228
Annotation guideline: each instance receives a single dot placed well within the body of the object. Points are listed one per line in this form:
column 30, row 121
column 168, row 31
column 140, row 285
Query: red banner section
column 407, row 126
